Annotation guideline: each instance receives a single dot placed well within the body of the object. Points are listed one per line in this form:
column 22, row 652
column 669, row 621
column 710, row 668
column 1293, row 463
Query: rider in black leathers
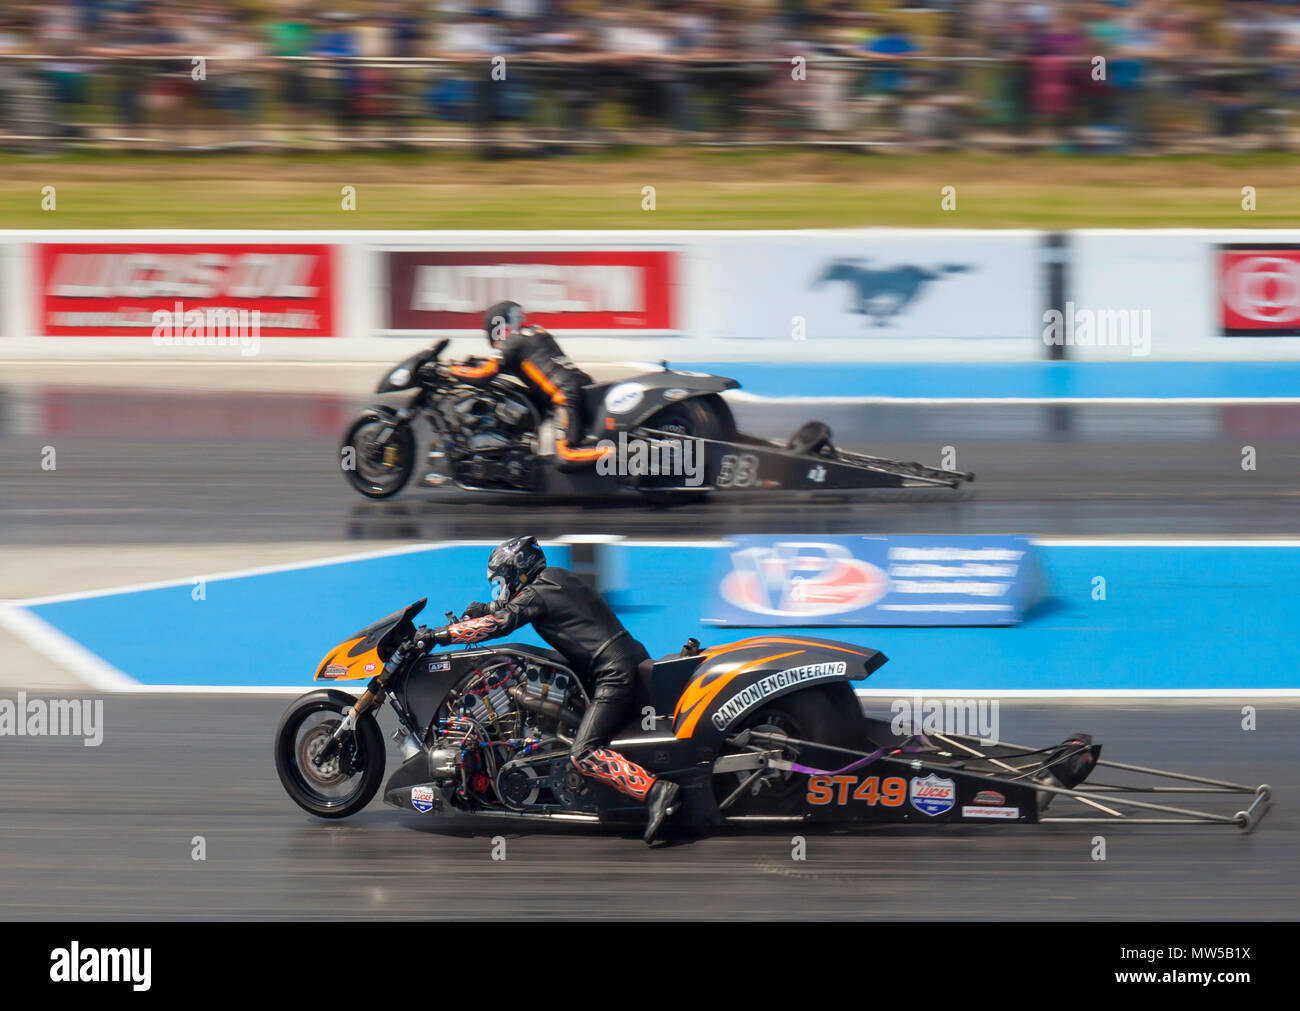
column 577, row 622
column 529, row 353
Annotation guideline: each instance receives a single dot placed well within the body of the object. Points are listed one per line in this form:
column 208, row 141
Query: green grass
column 726, row 189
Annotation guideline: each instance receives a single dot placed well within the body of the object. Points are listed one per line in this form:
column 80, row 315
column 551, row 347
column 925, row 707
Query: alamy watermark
column 75, row 964
column 961, row 717
column 208, row 327
column 26, row 717
column 634, row 457
column 1089, row 328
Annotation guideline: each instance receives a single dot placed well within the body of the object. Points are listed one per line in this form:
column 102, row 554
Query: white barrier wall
column 1210, row 295
column 797, row 296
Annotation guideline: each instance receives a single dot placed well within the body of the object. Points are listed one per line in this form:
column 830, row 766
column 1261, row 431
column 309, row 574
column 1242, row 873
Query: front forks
column 373, row 694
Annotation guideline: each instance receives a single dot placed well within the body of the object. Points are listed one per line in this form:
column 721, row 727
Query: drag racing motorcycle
column 492, row 438
column 766, row 729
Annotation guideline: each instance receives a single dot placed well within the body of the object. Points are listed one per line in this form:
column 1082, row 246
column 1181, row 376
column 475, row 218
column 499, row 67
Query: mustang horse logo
column 883, row 294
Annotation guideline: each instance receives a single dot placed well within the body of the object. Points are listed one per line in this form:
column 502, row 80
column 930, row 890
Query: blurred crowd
column 1072, row 74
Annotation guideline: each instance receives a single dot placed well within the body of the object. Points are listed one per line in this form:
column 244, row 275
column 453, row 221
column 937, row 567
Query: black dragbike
column 675, row 433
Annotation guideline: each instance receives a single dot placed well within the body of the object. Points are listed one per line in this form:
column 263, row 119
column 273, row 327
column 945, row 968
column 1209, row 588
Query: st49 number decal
column 872, row 790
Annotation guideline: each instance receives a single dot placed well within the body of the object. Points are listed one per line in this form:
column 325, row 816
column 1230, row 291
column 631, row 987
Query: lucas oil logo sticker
column 422, row 798
column 933, row 795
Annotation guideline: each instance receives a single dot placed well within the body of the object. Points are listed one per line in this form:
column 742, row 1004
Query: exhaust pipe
column 526, row 700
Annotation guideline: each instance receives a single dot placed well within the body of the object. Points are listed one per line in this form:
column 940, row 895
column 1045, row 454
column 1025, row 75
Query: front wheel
column 378, row 455
column 345, row 783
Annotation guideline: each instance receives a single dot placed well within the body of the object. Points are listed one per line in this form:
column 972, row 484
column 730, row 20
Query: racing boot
column 661, row 803
column 574, row 450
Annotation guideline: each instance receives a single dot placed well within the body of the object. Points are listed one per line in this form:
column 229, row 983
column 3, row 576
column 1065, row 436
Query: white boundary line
column 1080, row 694
column 264, row 570
column 745, row 396
column 1083, row 542
column 65, row 651
column 741, row 395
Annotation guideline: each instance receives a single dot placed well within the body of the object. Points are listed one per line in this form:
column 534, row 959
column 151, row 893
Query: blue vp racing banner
column 766, row 581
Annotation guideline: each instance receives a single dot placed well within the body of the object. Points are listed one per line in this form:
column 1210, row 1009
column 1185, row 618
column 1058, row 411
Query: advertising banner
column 883, row 292
column 768, row 581
column 1259, row 290
column 122, row 290
column 572, row 291
column 1175, row 295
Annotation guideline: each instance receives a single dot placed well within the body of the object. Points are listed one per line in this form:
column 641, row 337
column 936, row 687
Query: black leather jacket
column 530, row 354
column 574, row 619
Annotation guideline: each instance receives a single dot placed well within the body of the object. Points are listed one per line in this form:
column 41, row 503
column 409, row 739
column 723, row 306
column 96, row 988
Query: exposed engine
column 487, row 438
column 502, row 736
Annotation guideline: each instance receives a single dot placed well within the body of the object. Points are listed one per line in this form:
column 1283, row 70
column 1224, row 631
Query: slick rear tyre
column 349, row 781
column 377, row 471
column 829, row 714
column 706, row 417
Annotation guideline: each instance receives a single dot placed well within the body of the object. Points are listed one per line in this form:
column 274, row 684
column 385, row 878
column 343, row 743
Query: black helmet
column 512, row 564
column 501, row 321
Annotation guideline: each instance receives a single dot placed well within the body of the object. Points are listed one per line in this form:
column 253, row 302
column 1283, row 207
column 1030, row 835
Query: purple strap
column 860, row 763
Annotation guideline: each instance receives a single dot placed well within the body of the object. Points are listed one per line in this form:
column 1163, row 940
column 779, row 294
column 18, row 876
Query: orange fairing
column 340, row 665
column 715, row 674
column 778, row 640
column 704, row 688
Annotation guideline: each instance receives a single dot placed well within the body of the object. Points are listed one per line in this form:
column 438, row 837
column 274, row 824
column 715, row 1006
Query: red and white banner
column 109, row 290
column 1259, row 290
column 596, row 290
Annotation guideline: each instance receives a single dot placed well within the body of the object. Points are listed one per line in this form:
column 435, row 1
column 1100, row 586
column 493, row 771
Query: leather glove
column 476, row 610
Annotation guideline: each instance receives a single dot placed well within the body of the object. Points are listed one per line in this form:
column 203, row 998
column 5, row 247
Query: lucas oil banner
column 859, row 581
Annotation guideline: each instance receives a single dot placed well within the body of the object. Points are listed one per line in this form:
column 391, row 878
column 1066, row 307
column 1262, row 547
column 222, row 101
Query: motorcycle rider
column 578, row 623
column 531, row 354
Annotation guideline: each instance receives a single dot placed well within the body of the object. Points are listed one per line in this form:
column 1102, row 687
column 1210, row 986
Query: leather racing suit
column 532, row 355
column 577, row 622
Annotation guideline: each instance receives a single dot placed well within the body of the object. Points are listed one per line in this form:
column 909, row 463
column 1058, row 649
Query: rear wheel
column 378, row 467
column 828, row 715
column 345, row 783
column 706, row 417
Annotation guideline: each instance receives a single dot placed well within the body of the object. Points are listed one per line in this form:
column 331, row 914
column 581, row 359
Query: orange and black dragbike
column 764, row 729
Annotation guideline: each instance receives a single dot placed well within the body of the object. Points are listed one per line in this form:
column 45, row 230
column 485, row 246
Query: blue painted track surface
column 1172, row 618
column 974, row 381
